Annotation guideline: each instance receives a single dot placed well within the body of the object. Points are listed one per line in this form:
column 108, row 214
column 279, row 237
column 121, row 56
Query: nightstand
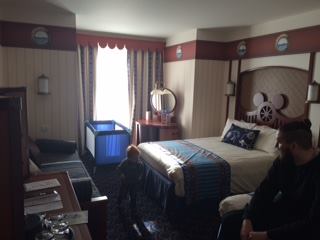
column 147, row 131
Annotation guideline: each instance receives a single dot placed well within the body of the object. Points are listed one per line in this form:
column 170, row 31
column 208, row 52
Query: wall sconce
column 230, row 89
column 313, row 92
column 43, row 85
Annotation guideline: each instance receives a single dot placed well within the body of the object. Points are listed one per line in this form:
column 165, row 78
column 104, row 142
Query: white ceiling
column 164, row 18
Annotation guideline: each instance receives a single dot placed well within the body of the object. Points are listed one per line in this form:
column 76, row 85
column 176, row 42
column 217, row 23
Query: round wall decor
column 40, row 36
column 179, row 52
column 242, row 48
column 282, row 43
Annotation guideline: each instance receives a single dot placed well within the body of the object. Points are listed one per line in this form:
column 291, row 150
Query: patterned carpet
column 197, row 226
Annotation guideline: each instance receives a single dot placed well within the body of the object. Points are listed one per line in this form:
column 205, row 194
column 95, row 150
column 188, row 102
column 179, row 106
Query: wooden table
column 68, row 198
column 163, row 132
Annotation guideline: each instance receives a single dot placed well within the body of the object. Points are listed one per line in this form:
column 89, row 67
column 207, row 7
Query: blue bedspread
column 206, row 175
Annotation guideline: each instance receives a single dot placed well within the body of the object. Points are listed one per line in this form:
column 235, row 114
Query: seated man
column 286, row 205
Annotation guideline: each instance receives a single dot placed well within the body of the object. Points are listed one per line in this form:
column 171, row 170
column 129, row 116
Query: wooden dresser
column 147, row 131
column 68, row 198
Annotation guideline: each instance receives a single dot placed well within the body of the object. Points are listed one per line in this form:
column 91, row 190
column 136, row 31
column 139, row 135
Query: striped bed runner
column 206, row 175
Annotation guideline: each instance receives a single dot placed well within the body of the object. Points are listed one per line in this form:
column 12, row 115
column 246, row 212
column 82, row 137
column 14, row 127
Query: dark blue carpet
column 197, row 226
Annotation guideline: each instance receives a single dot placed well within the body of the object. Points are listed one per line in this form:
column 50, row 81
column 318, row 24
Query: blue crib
column 107, row 141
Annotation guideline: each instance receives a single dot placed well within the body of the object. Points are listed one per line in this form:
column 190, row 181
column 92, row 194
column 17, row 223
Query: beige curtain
column 86, row 91
column 144, row 69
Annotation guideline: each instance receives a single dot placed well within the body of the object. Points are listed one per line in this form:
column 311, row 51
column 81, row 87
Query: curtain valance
column 93, row 41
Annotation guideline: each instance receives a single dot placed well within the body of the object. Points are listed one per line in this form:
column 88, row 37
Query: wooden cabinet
column 168, row 133
column 21, row 92
column 11, row 179
column 147, row 131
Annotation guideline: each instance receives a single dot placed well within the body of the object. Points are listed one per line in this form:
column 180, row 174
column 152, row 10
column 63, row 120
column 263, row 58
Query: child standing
column 130, row 170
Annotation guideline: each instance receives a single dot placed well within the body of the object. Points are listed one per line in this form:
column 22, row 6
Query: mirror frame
column 175, row 99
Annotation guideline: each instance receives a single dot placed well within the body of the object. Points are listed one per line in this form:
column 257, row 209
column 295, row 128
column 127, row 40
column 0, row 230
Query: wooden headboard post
column 228, row 97
column 238, row 90
column 310, row 79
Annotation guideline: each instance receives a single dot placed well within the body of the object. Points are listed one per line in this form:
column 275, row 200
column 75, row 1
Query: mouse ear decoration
column 258, row 99
column 278, row 101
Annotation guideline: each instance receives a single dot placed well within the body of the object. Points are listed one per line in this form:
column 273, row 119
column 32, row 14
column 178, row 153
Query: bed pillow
column 234, row 203
column 242, row 124
column 267, row 139
column 241, row 137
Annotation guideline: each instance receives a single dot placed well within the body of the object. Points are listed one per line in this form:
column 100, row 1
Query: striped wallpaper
column 49, row 116
column 199, row 87
column 179, row 77
column 209, row 101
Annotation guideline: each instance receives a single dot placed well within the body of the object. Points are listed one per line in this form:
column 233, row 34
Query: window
column 112, row 97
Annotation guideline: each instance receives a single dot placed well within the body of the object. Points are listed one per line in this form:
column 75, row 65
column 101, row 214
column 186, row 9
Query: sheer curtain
column 112, row 97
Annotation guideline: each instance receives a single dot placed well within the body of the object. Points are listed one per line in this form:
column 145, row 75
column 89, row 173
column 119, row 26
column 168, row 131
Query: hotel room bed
column 248, row 167
column 236, row 170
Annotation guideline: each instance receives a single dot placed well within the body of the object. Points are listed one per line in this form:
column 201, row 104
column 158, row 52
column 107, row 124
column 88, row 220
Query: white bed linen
column 248, row 167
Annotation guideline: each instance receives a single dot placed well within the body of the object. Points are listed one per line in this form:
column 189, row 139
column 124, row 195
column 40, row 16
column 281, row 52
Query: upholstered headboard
column 272, row 95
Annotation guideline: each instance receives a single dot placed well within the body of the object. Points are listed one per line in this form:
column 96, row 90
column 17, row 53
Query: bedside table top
column 157, row 124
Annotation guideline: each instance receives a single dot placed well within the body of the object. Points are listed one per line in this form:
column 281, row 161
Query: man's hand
column 258, row 236
column 246, row 229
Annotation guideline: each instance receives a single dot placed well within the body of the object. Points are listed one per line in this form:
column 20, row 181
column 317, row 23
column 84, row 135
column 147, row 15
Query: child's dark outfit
column 131, row 171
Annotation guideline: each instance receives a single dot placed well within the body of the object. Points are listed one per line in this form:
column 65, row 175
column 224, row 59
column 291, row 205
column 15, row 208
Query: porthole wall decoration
column 282, row 43
column 179, row 52
column 40, row 36
column 242, row 48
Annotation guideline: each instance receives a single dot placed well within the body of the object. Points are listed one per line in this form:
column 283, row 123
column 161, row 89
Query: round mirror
column 163, row 100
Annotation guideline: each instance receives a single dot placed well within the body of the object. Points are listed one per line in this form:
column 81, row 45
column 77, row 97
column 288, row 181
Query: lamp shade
column 230, row 89
column 313, row 92
column 43, row 85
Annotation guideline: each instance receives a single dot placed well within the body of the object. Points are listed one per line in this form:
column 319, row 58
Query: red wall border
column 301, row 40
column 15, row 34
column 188, row 52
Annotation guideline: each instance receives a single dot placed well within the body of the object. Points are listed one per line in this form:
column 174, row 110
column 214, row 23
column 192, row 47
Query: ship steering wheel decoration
column 267, row 110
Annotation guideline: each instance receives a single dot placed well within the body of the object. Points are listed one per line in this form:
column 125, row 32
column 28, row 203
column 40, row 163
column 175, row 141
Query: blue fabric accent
column 241, row 137
column 158, row 187
column 206, row 175
column 111, row 141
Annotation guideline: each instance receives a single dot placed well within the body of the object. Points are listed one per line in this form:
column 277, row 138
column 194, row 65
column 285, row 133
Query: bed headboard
column 272, row 95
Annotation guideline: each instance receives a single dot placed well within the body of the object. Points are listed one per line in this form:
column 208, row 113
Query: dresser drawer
column 168, row 134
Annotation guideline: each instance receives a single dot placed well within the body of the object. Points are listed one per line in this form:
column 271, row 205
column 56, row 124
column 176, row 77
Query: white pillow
column 242, row 124
column 267, row 139
column 233, row 203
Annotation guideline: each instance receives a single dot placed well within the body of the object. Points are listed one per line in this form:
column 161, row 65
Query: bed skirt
column 158, row 187
column 161, row 189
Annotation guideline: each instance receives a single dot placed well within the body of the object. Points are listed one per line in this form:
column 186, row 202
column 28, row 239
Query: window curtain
column 144, row 69
column 87, row 56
